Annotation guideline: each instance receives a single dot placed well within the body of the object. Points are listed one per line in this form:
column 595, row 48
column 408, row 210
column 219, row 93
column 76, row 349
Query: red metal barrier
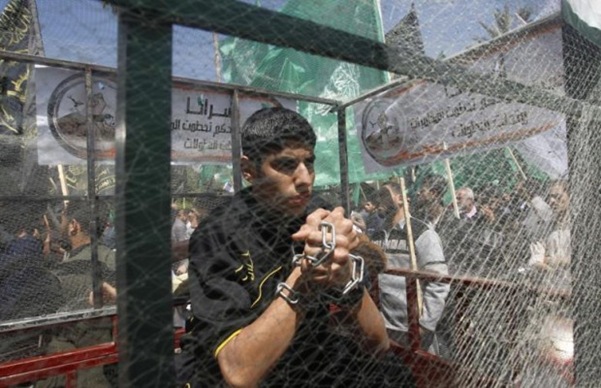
column 64, row 363
column 428, row 369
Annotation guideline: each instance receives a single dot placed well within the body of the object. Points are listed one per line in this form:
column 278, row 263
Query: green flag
column 584, row 16
column 287, row 70
column 15, row 33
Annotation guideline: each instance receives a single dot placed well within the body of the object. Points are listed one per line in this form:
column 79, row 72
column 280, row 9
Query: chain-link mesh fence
column 483, row 129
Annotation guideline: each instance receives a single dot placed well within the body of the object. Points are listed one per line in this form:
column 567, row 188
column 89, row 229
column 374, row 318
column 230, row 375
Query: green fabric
column 16, row 26
column 572, row 18
column 287, row 70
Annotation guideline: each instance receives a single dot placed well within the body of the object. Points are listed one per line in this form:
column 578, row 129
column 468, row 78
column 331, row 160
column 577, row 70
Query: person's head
column 23, row 218
column 390, row 199
column 278, row 159
column 489, row 196
column 174, row 210
column 182, row 214
column 428, row 204
column 465, row 199
column 558, row 197
column 78, row 221
column 432, row 190
column 193, row 217
column 369, row 206
column 526, row 189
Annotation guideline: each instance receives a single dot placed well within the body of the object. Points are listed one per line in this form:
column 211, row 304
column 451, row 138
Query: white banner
column 200, row 119
column 421, row 121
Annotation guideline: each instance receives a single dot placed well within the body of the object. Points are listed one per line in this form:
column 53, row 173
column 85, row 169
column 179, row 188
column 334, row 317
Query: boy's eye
column 289, row 165
column 285, row 165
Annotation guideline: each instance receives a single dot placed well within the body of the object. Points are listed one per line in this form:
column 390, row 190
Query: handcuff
column 350, row 294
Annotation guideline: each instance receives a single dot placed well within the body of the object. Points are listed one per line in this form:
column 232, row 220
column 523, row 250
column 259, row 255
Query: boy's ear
column 249, row 171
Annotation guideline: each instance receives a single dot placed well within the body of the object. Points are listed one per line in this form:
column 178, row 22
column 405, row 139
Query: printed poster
column 200, row 119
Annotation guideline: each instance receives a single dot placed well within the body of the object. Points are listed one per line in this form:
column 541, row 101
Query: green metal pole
column 143, row 203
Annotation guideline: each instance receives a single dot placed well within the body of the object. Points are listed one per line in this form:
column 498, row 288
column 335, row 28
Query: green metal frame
column 233, row 17
column 146, row 335
column 143, row 200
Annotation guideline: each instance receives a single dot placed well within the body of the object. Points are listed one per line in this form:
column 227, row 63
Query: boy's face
column 284, row 179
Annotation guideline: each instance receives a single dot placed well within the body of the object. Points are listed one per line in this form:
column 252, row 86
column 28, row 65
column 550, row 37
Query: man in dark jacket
column 260, row 299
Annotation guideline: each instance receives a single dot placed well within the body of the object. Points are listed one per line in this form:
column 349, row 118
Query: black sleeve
column 221, row 305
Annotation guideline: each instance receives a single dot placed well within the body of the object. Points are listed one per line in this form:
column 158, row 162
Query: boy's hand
column 336, row 270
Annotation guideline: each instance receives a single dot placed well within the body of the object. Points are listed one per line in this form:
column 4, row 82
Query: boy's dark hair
column 267, row 130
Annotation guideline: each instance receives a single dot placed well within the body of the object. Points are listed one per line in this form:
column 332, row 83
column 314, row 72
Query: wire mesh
column 500, row 99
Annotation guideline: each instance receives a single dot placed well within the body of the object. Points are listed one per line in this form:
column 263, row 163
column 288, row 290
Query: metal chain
column 293, row 296
column 358, row 271
column 327, row 246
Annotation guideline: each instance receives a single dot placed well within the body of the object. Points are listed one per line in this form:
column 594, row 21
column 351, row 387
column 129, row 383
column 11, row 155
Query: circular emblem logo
column 384, row 130
column 67, row 116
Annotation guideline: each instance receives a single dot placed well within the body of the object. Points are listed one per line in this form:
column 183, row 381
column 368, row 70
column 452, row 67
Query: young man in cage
column 429, row 254
column 260, row 300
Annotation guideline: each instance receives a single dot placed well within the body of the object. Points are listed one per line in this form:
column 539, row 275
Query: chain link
column 327, row 246
column 358, row 271
column 293, row 296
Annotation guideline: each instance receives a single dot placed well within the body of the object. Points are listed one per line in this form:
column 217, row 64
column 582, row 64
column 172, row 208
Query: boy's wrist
column 347, row 301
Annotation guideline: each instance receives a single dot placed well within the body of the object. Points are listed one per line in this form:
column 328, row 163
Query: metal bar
column 247, row 21
column 413, row 313
column 236, row 141
column 91, row 190
column 71, row 379
column 374, row 92
column 41, row 367
column 143, row 221
column 62, row 64
column 475, row 282
column 51, row 197
column 34, row 368
column 508, row 39
column 45, row 61
column 56, row 319
column 343, row 160
column 193, row 195
column 253, row 91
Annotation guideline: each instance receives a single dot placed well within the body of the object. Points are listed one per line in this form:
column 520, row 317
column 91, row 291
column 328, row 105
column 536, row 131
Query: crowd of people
column 284, row 288
column 523, row 237
column 493, row 233
column 46, row 267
